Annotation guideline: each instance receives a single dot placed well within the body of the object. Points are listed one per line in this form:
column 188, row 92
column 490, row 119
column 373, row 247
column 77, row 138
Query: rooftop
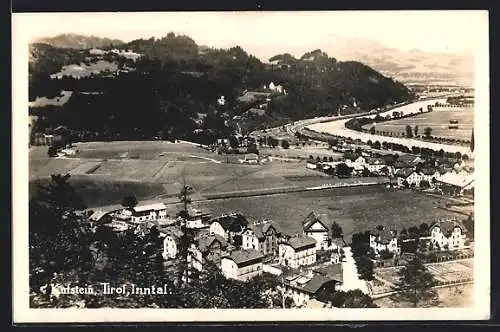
column 233, row 222
column 240, row 257
column 447, row 226
column 260, row 229
column 404, row 172
column 334, row 271
column 456, row 179
column 205, row 242
column 301, row 242
column 150, row 207
column 384, row 236
column 312, row 218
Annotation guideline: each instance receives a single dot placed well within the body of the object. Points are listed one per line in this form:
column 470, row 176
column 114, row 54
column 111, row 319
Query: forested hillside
column 172, row 90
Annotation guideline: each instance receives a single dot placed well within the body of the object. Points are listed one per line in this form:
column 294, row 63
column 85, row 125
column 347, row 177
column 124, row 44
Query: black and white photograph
column 329, row 165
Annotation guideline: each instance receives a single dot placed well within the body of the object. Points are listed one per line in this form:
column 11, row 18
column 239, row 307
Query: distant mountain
column 75, row 41
column 413, row 66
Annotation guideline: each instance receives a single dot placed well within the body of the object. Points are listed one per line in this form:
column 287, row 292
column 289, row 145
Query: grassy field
column 105, row 172
column 97, row 192
column 355, row 209
column 437, row 120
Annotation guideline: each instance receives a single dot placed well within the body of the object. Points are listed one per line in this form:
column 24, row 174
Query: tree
column 350, row 299
column 187, row 235
column 386, row 254
column 336, row 230
column 372, row 130
column 365, row 267
column 252, row 148
column 409, row 132
column 59, row 236
column 342, row 170
column 233, row 142
column 52, row 151
column 424, row 184
column 332, row 142
column 416, row 283
column 285, row 144
column 129, row 201
column 427, row 132
column 376, row 145
column 415, row 130
column 472, row 141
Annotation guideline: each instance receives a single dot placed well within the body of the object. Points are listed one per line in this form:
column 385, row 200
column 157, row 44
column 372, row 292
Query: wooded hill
column 173, row 90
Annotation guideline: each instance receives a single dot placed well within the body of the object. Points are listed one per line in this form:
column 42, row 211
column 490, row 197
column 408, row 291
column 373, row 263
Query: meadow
column 355, row 209
column 437, row 120
column 103, row 173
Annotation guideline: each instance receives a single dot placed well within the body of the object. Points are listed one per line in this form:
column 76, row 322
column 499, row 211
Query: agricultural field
column 438, row 120
column 355, row 209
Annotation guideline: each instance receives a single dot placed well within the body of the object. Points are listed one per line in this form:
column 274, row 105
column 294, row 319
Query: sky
column 268, row 33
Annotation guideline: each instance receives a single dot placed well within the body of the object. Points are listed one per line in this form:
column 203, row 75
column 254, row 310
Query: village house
column 448, row 235
column 382, row 239
column 304, row 288
column 297, row 251
column 315, row 226
column 263, row 236
column 375, row 165
column 242, row 264
column 208, row 248
column 409, row 175
column 230, row 227
column 151, row 212
column 171, row 237
column 430, row 175
column 197, row 220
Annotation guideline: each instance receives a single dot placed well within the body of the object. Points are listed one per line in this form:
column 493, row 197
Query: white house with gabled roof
column 151, row 212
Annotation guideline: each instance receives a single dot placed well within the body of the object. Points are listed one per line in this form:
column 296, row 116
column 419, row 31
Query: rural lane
column 350, row 274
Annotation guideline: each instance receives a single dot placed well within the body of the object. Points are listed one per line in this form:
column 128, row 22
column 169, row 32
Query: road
column 350, row 274
column 315, row 127
column 338, row 128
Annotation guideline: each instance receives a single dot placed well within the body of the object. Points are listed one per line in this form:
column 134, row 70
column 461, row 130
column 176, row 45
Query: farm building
column 151, row 212
column 456, row 184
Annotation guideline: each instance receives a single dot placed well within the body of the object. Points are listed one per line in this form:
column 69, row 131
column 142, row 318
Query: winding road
column 337, row 127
